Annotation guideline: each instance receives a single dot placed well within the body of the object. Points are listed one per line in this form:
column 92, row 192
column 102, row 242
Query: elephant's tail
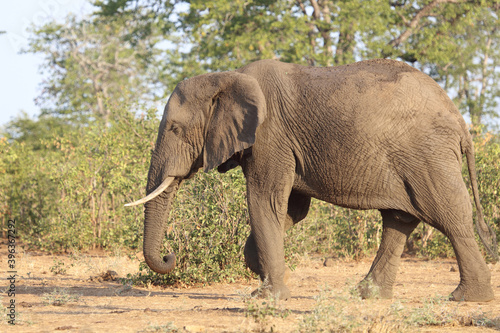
column 486, row 234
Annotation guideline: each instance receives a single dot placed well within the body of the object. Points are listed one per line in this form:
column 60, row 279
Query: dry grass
column 322, row 300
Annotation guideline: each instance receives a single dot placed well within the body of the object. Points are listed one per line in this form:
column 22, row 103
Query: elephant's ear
column 238, row 108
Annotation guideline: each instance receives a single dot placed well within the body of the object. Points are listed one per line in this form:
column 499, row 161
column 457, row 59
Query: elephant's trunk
column 156, row 215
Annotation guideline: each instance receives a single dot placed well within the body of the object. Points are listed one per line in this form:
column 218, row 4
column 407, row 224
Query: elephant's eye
column 175, row 128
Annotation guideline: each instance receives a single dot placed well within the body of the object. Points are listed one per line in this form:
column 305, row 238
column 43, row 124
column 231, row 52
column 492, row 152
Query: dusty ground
column 71, row 301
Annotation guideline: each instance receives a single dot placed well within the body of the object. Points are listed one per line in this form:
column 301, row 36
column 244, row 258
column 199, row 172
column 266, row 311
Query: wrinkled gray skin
column 377, row 134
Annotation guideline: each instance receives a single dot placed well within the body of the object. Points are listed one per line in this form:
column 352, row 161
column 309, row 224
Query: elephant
column 376, row 134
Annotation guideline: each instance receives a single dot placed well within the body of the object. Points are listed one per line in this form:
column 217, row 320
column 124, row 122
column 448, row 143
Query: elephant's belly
column 360, row 192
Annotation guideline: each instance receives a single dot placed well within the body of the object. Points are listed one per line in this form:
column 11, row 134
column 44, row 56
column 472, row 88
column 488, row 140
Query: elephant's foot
column 266, row 291
column 368, row 288
column 476, row 294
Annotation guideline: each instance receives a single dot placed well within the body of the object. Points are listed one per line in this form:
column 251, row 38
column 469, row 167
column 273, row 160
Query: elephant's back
column 379, row 95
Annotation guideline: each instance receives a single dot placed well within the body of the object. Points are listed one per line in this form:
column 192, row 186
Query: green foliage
column 456, row 42
column 437, row 246
column 24, row 129
column 92, row 61
column 70, row 194
column 336, row 231
column 58, row 268
column 487, row 151
column 207, row 229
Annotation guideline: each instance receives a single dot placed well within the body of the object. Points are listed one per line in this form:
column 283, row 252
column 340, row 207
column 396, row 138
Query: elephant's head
column 207, row 120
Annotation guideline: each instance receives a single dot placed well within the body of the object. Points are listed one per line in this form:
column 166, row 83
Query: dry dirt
column 76, row 301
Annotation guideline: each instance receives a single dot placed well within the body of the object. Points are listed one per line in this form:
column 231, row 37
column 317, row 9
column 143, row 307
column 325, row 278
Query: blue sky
column 19, row 73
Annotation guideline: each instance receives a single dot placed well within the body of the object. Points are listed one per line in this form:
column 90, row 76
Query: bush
column 488, row 169
column 207, row 230
column 335, row 231
column 70, row 193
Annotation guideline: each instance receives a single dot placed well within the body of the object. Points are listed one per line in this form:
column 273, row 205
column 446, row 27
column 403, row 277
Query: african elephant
column 376, row 134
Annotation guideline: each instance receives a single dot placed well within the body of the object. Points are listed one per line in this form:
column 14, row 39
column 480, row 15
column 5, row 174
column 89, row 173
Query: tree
column 455, row 41
column 91, row 61
column 474, row 70
column 32, row 131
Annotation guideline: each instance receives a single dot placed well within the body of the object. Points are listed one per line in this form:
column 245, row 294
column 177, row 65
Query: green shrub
column 70, row 194
column 487, row 149
column 335, row 231
column 207, row 230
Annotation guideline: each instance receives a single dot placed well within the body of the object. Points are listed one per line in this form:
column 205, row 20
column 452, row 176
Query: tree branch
column 414, row 23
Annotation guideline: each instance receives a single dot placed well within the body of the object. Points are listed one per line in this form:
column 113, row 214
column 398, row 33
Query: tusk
column 153, row 194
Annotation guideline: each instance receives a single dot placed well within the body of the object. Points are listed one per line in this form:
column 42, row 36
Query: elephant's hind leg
column 475, row 276
column 397, row 226
column 449, row 209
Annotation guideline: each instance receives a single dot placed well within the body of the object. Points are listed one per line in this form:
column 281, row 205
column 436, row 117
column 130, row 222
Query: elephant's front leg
column 298, row 206
column 267, row 207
